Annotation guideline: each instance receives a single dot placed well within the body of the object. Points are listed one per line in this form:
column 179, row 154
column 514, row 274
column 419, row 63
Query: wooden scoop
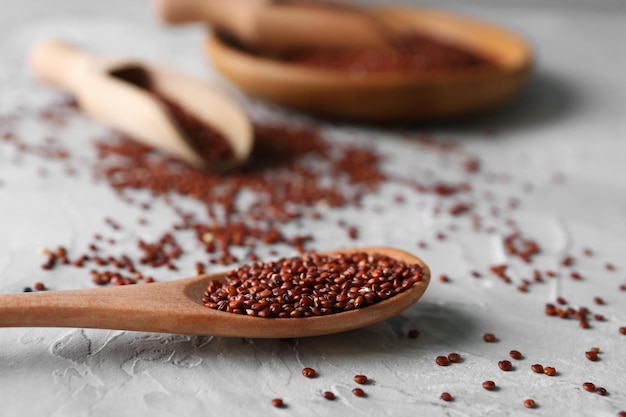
column 275, row 27
column 121, row 94
column 176, row 307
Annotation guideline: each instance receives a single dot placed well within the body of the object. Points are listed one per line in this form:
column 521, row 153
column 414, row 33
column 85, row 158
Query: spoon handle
column 54, row 62
column 136, row 307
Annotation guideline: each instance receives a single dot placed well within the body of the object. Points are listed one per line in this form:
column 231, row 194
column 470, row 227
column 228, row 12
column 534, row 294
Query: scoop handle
column 230, row 15
column 54, row 62
column 281, row 26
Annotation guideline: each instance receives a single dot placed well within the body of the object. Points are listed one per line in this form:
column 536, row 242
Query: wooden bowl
column 391, row 96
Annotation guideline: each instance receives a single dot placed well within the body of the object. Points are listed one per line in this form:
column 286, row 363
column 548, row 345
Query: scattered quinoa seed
column 278, row 403
column 515, row 354
column 589, row 386
column 549, row 370
column 505, row 365
column 309, row 372
column 360, row 379
column 442, row 361
column 446, row 396
column 537, row 368
column 489, row 385
column 454, row 357
column 530, row 403
column 489, row 337
column 413, row 334
column 358, row 392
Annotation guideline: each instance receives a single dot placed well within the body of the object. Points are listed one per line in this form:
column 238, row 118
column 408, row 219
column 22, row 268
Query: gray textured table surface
column 565, row 136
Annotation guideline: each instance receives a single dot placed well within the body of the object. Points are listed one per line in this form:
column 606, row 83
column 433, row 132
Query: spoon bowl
column 388, row 96
column 122, row 93
column 176, row 307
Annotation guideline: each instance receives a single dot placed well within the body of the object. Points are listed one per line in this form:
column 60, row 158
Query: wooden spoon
column 389, row 96
column 277, row 27
column 120, row 93
column 176, row 307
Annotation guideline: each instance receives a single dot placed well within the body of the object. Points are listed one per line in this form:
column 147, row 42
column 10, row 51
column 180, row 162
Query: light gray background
column 570, row 121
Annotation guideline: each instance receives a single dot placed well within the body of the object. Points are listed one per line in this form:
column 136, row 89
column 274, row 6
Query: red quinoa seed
column 413, row 334
column 537, row 368
column 549, row 370
column 505, row 365
column 530, row 403
column 358, row 392
column 489, row 385
column 454, row 357
column 446, row 396
column 589, row 386
column 442, row 361
column 567, row 261
column 360, row 379
column 489, row 337
column 328, row 395
column 550, row 310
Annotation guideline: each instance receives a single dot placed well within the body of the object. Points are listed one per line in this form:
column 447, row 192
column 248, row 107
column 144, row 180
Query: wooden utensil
column 389, row 96
column 176, row 307
column 120, row 94
column 276, row 27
